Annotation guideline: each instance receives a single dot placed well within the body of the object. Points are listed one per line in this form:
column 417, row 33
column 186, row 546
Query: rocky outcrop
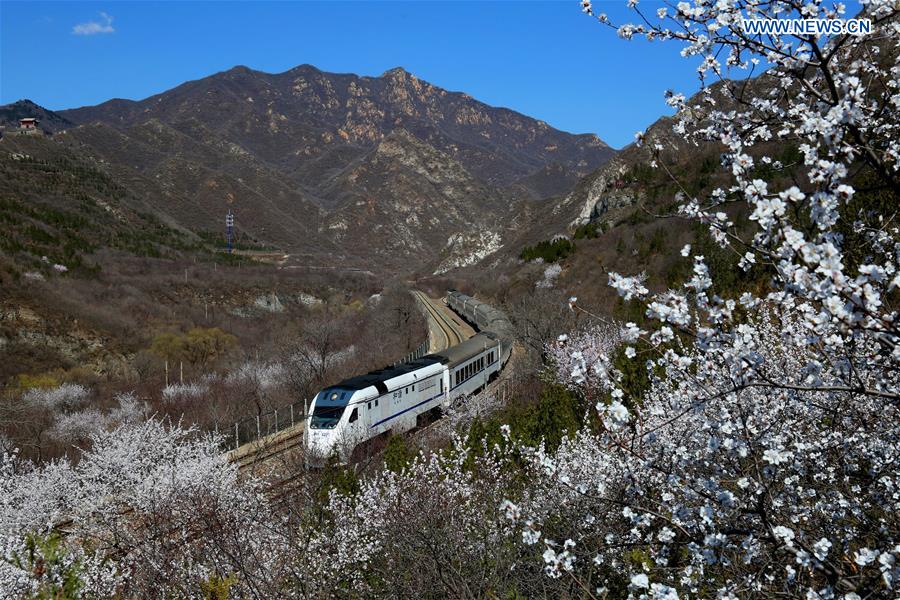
column 597, row 194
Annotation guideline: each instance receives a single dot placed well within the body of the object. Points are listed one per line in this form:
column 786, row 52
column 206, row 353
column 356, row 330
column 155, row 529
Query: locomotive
column 347, row 415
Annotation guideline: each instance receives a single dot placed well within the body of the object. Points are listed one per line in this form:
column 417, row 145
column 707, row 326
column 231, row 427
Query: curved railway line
column 450, row 331
column 253, row 454
column 256, row 454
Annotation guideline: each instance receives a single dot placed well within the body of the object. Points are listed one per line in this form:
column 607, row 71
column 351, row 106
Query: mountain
column 306, row 123
column 48, row 120
column 390, row 171
column 406, row 197
column 190, row 177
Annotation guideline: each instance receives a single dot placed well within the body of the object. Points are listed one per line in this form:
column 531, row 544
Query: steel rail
column 447, row 327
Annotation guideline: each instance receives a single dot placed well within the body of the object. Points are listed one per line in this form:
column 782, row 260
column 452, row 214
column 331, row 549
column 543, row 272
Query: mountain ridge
column 335, row 108
column 296, row 154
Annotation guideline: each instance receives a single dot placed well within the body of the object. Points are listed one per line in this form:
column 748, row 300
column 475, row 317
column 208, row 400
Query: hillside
column 306, row 116
column 386, row 173
column 48, row 121
column 611, row 220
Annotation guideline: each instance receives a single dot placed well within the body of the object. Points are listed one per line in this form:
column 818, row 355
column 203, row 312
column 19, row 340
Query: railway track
column 450, row 332
column 264, row 450
column 267, row 448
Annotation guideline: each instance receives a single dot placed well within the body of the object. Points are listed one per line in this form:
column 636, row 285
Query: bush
column 557, row 413
column 198, row 346
column 397, row 454
column 589, row 231
column 549, row 251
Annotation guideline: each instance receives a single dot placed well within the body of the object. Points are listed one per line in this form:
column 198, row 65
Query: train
column 346, row 417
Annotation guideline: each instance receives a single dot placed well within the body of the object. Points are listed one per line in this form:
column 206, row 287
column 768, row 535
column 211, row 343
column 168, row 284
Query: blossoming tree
column 149, row 511
column 764, row 457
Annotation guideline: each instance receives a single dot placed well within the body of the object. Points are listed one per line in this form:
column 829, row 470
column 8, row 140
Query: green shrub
column 549, row 251
column 397, row 454
column 588, row 231
column 45, row 560
column 558, row 413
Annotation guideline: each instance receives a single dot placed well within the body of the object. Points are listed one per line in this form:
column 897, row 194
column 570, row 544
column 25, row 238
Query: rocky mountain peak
column 397, row 74
column 382, row 166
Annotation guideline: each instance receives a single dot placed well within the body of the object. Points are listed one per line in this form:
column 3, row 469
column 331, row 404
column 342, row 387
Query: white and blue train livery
column 361, row 409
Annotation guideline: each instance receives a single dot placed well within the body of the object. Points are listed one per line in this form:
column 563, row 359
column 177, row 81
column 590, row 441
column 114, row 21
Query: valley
column 299, row 332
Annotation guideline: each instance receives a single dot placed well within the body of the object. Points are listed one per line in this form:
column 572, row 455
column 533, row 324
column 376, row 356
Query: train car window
column 376, row 401
column 354, row 415
column 369, row 406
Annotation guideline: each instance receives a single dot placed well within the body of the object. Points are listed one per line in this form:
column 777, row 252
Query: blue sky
column 544, row 59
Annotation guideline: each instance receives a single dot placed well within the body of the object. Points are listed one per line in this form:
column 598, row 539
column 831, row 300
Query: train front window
column 326, row 417
column 329, row 407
